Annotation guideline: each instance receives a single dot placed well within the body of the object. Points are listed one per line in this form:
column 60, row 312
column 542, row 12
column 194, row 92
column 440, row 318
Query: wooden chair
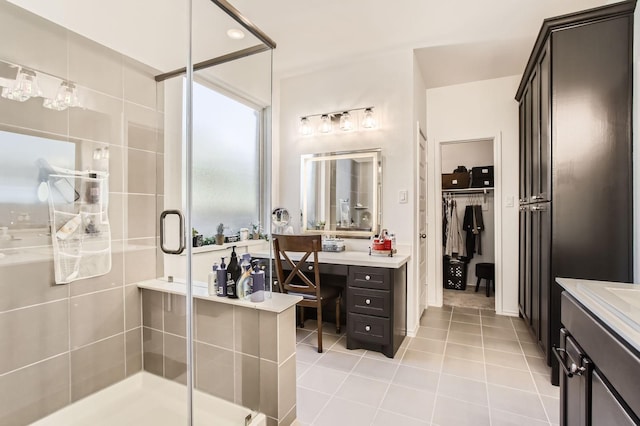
column 305, row 285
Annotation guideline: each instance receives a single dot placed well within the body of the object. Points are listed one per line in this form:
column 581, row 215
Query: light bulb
column 368, row 122
column 325, row 124
column 345, row 121
column 305, row 127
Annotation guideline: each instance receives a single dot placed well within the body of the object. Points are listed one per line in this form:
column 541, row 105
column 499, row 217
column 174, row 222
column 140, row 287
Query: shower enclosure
column 97, row 139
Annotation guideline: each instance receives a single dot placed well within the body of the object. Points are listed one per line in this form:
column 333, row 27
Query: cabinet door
column 526, row 172
column 544, row 275
column 534, row 137
column 574, row 392
column 523, row 152
column 522, row 269
column 605, row 407
column 544, row 174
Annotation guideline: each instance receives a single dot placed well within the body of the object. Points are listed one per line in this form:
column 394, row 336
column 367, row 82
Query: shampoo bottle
column 233, row 274
column 212, row 281
column 244, row 282
column 222, row 279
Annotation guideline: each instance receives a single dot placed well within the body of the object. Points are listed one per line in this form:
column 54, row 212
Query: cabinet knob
column 367, row 301
column 367, row 328
column 367, row 277
column 310, row 267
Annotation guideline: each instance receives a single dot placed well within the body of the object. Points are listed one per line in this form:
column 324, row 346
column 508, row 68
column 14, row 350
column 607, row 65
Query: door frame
column 436, row 296
column 422, row 302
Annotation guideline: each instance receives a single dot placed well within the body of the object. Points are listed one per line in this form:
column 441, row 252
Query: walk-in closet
column 468, row 243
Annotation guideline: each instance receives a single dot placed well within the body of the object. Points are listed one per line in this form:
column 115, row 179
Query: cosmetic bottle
column 222, row 279
column 212, row 281
column 231, row 287
column 234, row 267
column 257, row 281
column 69, row 228
column 244, row 282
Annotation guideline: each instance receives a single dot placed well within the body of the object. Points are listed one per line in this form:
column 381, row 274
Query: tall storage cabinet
column 576, row 218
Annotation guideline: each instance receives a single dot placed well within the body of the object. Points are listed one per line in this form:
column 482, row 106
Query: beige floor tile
column 432, row 333
column 465, row 327
column 325, row 380
column 497, row 321
column 460, row 388
column 468, row 311
column 434, row 323
column 409, row 402
column 362, row 390
column 532, row 349
column 538, row 365
column 470, row 353
column 427, row 345
column 465, row 338
column 309, row 403
column 464, row 368
column 341, row 346
column 471, row 319
column 328, row 340
column 375, row 369
column 552, row 407
column 424, row 360
column 338, row 361
column 509, row 377
column 342, row 412
column 506, row 359
column 511, row 346
column 386, row 418
column 416, row 378
column 449, row 411
column 543, row 383
column 499, row 333
column 516, row 401
column 504, row 418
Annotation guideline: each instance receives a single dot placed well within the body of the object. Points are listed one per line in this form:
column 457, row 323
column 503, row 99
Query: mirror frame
column 376, row 213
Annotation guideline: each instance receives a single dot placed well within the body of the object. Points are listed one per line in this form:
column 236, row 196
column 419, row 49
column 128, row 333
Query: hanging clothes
column 455, row 244
column 473, row 224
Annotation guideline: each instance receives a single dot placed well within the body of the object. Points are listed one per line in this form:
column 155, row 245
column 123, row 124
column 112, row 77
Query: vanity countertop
column 616, row 305
column 276, row 302
column 347, row 257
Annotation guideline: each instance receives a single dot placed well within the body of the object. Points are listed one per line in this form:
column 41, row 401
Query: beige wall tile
column 116, row 207
column 29, row 284
column 152, row 309
column 269, row 335
column 116, row 168
column 139, row 83
column 30, row 114
column 247, row 381
column 99, row 119
column 139, row 265
column 175, row 316
column 269, row 388
column 141, row 216
column 35, row 391
column 286, row 386
column 96, row 316
column 289, row 418
column 141, row 167
column 141, row 127
column 175, row 358
column 31, row 334
column 97, row 366
column 287, row 334
column 113, row 279
column 247, row 331
column 152, row 351
column 133, row 307
column 35, row 42
column 95, row 66
column 133, row 342
column 214, row 371
column 214, row 323
column 160, row 177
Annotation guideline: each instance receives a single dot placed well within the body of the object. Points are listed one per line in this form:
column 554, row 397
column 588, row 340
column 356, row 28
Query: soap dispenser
column 257, row 291
column 244, row 282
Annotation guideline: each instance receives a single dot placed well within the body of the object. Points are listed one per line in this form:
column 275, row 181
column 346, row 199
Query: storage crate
column 454, row 274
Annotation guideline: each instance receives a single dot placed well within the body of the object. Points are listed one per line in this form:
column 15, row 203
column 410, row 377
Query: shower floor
column 145, row 399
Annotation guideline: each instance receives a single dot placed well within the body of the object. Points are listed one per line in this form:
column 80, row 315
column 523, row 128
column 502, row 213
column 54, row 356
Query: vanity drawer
column 378, row 278
column 369, row 302
column 367, row 328
column 325, row 268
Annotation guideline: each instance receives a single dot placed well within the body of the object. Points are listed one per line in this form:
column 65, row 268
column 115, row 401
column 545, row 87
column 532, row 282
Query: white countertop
column 277, row 302
column 347, row 257
column 617, row 305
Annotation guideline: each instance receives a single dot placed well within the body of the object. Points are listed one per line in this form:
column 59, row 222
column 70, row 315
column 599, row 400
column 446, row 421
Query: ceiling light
column 369, row 121
column 235, row 34
column 24, row 87
column 325, row 124
column 345, row 121
column 305, row 126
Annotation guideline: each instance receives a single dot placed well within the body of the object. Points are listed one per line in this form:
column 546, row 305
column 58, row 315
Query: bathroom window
column 226, row 161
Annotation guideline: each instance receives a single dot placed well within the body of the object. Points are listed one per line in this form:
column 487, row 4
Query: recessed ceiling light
column 235, row 34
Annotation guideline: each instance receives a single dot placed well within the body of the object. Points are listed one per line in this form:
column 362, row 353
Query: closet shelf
column 468, row 191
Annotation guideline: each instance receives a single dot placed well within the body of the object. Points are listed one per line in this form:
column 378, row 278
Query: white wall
column 385, row 81
column 472, row 111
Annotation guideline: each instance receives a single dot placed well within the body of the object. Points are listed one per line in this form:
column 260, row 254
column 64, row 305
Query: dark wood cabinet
column 600, row 379
column 575, row 105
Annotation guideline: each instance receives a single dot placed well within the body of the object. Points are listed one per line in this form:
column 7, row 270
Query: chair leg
column 319, row 327
column 301, row 315
column 338, row 315
column 478, row 284
column 488, row 287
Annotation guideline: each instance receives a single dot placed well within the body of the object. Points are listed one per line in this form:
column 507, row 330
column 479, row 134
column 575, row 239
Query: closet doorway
column 468, row 221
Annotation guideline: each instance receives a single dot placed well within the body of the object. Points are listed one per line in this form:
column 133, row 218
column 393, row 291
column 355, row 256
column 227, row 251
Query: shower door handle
column 163, row 215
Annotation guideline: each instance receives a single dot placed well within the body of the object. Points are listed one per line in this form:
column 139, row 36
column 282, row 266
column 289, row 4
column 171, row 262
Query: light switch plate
column 403, row 196
column 509, row 202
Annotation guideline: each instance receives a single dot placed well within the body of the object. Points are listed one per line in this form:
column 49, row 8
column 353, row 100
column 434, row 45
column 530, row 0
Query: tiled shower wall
column 60, row 343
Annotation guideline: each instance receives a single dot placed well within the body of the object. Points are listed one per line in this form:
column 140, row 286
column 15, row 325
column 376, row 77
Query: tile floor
column 465, row 367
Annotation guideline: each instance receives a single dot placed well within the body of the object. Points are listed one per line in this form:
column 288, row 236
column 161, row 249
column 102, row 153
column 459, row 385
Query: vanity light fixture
column 24, row 87
column 348, row 120
column 67, row 96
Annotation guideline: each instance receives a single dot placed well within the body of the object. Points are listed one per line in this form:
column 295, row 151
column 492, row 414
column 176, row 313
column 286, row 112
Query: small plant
column 220, row 234
column 220, row 229
column 194, row 232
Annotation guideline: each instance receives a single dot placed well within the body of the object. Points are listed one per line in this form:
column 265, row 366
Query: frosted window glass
column 226, row 162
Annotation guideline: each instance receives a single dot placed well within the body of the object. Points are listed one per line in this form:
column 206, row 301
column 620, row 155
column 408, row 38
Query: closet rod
column 464, row 191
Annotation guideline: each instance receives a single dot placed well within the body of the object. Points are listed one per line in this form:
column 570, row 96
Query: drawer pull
column 367, row 301
column 367, row 328
column 310, row 268
column 573, row 369
column 367, row 277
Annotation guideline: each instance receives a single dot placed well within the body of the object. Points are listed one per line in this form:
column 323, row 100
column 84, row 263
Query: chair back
column 306, row 244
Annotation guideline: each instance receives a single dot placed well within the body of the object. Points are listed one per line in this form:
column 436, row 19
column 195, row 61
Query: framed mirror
column 341, row 193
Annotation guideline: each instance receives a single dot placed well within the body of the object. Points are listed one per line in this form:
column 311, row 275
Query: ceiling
column 454, row 41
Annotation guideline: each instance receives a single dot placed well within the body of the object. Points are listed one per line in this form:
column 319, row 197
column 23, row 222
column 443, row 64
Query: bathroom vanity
column 374, row 296
column 599, row 353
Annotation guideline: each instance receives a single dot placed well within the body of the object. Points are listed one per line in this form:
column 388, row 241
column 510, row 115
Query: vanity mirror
column 341, row 192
